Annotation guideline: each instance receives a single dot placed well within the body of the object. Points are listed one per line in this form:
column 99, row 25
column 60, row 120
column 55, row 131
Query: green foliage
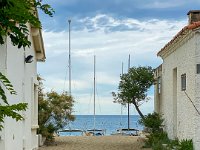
column 185, row 145
column 7, row 85
column 7, row 110
column 152, row 121
column 157, row 138
column 55, row 111
column 47, row 131
column 134, row 85
column 14, row 16
column 173, row 144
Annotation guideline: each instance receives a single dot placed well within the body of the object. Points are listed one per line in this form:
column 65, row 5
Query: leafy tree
column 55, row 111
column 133, row 87
column 15, row 17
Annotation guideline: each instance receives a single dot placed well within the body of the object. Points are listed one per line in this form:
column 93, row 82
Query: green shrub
column 180, row 145
column 153, row 121
column 54, row 111
column 156, row 139
column 173, row 144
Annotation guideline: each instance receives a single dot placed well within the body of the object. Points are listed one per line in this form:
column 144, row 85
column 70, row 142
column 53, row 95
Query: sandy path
column 95, row 143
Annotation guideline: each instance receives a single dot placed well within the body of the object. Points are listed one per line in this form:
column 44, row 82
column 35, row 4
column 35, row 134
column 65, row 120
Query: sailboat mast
column 129, row 59
column 121, row 104
column 94, row 89
column 69, row 21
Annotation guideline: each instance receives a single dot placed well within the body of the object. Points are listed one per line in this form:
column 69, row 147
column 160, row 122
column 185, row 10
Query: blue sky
column 111, row 30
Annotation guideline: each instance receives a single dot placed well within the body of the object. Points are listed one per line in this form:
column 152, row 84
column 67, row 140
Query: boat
column 71, row 132
column 95, row 131
column 126, row 131
column 89, row 132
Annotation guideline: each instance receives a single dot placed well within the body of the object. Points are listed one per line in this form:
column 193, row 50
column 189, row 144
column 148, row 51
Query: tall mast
column 94, row 88
column 69, row 21
column 121, row 104
column 129, row 59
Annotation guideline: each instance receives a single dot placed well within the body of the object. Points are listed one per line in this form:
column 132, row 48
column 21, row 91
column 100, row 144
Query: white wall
column 197, row 94
column 183, row 58
column 21, row 134
column 2, row 70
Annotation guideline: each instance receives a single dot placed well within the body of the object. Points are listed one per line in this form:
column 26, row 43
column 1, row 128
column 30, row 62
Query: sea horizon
column 108, row 122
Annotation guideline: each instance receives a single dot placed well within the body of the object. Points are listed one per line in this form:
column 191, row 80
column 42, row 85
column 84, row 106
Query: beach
column 96, row 143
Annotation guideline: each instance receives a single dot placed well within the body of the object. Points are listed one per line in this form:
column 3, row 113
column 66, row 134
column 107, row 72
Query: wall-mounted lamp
column 29, row 59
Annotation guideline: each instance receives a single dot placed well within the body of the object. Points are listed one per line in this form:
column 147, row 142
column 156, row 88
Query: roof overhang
column 185, row 32
column 38, row 43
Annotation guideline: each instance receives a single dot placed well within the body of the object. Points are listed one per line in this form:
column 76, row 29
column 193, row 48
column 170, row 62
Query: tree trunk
column 138, row 110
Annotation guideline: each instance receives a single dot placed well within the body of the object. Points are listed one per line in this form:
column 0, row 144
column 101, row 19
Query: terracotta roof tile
column 192, row 26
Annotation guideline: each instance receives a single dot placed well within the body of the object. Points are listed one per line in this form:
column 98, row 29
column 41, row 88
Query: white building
column 22, row 135
column 177, row 92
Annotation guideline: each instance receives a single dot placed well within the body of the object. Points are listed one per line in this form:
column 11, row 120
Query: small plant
column 185, row 145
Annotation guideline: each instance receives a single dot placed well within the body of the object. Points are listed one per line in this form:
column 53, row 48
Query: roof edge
column 192, row 26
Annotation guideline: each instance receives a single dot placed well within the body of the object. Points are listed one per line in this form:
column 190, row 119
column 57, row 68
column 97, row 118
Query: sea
column 109, row 123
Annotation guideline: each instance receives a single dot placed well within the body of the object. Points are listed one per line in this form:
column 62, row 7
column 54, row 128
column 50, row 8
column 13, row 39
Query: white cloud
column 111, row 44
column 56, row 84
column 104, row 105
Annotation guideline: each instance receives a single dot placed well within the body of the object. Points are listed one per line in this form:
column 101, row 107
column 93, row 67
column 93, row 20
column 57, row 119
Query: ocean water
column 108, row 122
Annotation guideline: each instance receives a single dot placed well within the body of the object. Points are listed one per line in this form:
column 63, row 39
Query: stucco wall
column 2, row 70
column 19, row 135
column 179, row 114
column 197, row 94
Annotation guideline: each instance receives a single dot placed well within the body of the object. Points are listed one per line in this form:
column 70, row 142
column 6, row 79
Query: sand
column 95, row 143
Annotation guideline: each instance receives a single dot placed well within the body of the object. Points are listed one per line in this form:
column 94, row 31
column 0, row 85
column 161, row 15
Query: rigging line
column 121, row 104
column 65, row 81
column 192, row 103
column 98, row 99
column 90, row 102
column 97, row 94
column 91, row 94
column 94, row 90
column 69, row 21
column 129, row 60
column 74, row 85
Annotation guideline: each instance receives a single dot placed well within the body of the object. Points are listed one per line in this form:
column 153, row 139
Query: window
column 159, row 85
column 183, row 82
column 198, row 68
column 34, row 106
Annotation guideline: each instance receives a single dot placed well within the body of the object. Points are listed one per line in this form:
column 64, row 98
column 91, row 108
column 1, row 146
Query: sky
column 111, row 30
